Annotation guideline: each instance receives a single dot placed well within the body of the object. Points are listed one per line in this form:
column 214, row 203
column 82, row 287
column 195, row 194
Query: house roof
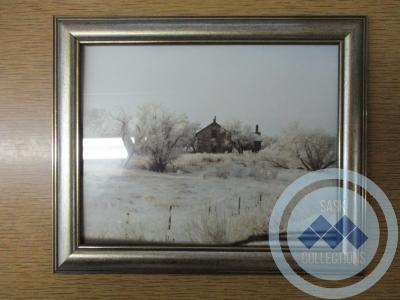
column 209, row 125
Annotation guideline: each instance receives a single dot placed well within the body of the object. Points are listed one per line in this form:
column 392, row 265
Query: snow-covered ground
column 202, row 199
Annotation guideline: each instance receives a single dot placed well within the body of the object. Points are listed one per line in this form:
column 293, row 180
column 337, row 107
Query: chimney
column 257, row 141
column 215, row 119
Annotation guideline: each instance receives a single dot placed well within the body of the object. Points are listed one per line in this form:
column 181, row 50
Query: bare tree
column 241, row 136
column 161, row 135
column 317, row 151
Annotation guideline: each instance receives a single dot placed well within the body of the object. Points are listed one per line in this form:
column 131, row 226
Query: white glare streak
column 104, row 148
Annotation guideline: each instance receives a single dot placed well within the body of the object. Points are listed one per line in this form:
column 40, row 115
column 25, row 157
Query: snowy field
column 203, row 199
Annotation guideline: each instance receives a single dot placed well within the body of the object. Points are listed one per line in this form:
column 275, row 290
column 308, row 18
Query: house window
column 214, row 133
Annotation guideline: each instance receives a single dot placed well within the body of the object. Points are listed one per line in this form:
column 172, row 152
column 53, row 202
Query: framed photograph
column 174, row 137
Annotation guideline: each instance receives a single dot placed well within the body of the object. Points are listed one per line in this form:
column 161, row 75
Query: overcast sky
column 269, row 85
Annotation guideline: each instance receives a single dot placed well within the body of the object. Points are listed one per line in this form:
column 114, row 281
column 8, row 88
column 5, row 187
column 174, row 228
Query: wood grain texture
column 25, row 147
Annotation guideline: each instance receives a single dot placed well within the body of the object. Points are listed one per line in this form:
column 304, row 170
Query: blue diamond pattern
column 333, row 235
column 332, row 238
column 345, row 225
column 321, row 226
column 309, row 238
column 357, row 238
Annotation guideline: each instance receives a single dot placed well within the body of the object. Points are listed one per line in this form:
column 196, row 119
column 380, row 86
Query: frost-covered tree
column 191, row 145
column 267, row 141
column 241, row 136
column 125, row 132
column 99, row 123
column 161, row 135
column 301, row 148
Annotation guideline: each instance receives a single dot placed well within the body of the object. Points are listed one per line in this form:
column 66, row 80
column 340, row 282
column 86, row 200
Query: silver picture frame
column 71, row 33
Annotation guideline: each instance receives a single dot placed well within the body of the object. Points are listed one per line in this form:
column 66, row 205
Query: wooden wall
column 25, row 146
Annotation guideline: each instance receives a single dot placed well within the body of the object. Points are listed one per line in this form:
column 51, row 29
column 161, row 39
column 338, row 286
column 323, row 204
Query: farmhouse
column 216, row 139
column 213, row 139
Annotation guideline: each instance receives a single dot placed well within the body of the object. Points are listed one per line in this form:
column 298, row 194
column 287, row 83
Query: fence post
column 170, row 217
